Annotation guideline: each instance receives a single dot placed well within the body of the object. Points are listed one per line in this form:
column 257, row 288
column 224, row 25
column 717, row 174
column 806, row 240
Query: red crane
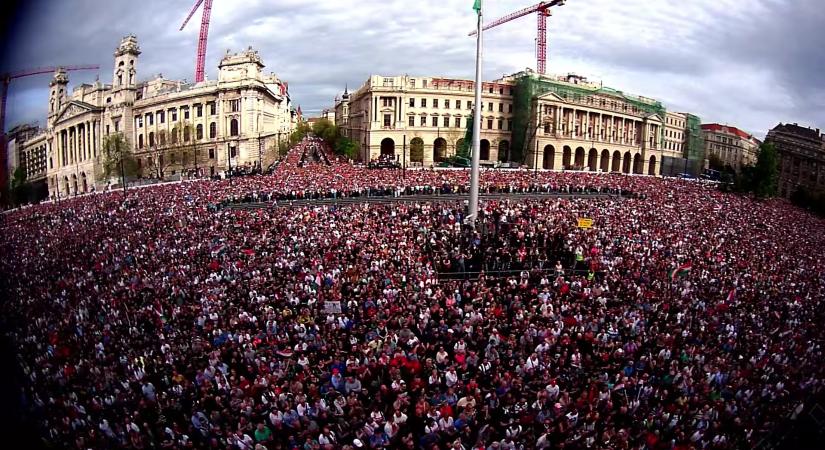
column 200, row 60
column 543, row 10
column 6, row 79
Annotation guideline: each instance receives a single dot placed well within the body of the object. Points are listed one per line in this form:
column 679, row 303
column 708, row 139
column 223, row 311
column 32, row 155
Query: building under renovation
column 551, row 122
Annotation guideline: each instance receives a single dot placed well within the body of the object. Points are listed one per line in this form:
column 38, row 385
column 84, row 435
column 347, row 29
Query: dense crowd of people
column 683, row 318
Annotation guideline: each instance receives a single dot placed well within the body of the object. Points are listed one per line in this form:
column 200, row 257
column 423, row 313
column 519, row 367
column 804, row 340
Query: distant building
column 801, row 157
column 27, row 149
column 562, row 122
column 173, row 127
column 736, row 148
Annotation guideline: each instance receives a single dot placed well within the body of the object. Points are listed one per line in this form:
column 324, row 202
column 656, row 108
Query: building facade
column 430, row 114
column 734, row 147
column 550, row 122
column 171, row 126
column 801, row 153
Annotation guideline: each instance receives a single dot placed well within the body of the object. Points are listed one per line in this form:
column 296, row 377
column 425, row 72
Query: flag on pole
column 680, row 271
column 477, row 6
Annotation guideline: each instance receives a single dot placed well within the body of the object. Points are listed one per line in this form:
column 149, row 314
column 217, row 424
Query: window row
column 457, row 122
column 172, row 113
column 457, row 104
column 184, row 134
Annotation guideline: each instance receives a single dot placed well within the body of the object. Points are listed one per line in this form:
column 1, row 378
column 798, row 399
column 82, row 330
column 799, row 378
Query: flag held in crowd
column 680, row 271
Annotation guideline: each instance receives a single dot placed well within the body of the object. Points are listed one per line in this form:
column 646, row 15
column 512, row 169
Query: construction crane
column 200, row 59
column 6, row 79
column 543, row 10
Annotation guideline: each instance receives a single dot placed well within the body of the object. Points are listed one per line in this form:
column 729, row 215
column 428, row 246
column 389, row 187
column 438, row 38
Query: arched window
column 140, row 141
column 186, row 134
column 199, row 132
column 233, row 127
column 162, row 137
column 151, row 139
column 213, row 130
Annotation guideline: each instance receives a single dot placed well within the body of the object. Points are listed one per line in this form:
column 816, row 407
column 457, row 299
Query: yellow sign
column 584, row 222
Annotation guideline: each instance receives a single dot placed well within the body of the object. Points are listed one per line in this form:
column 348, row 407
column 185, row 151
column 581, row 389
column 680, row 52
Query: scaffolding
column 529, row 86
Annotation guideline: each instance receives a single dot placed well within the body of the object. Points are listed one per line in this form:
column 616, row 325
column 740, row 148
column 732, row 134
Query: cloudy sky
column 748, row 63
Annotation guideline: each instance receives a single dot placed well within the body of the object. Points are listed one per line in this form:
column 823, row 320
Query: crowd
column 683, row 318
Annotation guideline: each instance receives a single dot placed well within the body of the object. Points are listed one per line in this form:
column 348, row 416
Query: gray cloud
column 748, row 63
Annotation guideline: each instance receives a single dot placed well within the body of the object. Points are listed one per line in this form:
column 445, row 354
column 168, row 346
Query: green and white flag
column 477, row 6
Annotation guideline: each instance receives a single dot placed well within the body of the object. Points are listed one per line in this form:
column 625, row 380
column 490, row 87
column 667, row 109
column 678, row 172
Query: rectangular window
column 423, row 121
column 412, row 121
column 234, row 105
column 117, row 126
column 501, row 107
column 458, row 104
column 469, row 104
column 387, row 101
column 489, row 124
column 500, row 124
column 198, row 110
column 435, row 103
column 185, row 113
column 446, row 104
column 107, row 130
column 446, row 122
column 211, row 106
column 161, row 117
column 139, row 121
column 173, row 115
column 501, row 91
column 458, row 122
column 211, row 153
column 233, row 152
column 423, row 102
column 387, row 119
column 489, row 106
column 435, row 121
column 412, row 103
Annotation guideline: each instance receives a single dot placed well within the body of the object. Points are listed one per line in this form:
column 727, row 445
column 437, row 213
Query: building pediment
column 74, row 109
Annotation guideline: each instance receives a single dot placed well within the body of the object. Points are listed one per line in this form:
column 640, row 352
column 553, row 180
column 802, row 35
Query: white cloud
column 751, row 63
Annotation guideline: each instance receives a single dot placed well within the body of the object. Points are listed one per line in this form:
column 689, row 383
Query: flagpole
column 474, row 175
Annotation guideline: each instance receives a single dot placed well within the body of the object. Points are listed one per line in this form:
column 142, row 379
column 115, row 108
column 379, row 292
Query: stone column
column 559, row 109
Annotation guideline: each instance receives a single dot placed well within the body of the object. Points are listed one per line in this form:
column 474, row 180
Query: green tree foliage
column 347, row 147
column 299, row 134
column 766, row 172
column 20, row 189
column 812, row 201
column 326, row 130
column 715, row 162
column 761, row 179
column 117, row 154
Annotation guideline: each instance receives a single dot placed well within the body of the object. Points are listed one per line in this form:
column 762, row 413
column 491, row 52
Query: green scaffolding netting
column 695, row 148
column 529, row 86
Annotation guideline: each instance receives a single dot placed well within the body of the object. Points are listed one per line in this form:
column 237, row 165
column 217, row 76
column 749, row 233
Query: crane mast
column 543, row 11
column 200, row 56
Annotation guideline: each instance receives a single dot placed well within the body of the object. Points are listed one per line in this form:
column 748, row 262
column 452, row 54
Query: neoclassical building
column 430, row 114
column 550, row 122
column 801, row 153
column 172, row 126
column 736, row 148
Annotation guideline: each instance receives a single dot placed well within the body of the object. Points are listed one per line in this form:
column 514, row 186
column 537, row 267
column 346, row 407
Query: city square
column 416, row 261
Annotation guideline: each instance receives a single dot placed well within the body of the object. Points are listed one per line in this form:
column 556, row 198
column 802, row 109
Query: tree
column 116, row 158
column 715, row 162
column 20, row 189
column 326, row 130
column 766, row 172
column 347, row 147
column 301, row 130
